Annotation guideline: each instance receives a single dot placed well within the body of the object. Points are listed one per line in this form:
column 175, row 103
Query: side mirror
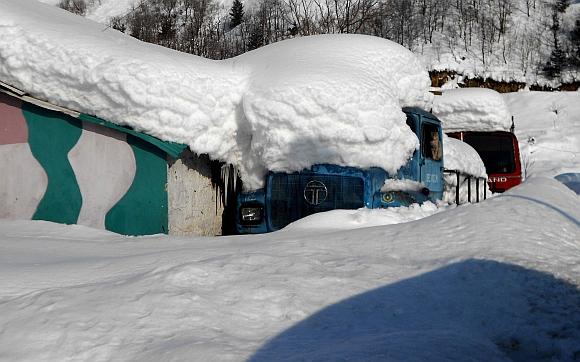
column 425, row 191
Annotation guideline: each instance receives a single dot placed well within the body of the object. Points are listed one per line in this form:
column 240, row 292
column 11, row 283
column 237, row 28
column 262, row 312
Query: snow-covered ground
column 497, row 280
column 103, row 10
column 547, row 125
column 493, row 281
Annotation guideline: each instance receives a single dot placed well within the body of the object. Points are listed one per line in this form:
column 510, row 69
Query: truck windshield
column 431, row 143
column 496, row 151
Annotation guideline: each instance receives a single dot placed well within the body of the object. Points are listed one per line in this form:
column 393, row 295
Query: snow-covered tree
column 557, row 60
column 236, row 13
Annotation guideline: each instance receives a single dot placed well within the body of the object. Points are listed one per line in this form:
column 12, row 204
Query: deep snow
column 547, row 125
column 493, row 281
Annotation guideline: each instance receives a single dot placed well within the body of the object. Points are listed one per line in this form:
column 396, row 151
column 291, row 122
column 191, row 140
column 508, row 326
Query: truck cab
column 287, row 197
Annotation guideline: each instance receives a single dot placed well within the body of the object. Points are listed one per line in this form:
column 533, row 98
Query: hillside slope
column 504, row 40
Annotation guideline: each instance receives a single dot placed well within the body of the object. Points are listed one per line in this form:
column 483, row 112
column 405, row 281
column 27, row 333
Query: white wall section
column 104, row 165
column 23, row 181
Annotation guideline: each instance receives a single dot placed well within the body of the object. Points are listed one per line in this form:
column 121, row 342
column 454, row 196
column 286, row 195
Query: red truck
column 500, row 153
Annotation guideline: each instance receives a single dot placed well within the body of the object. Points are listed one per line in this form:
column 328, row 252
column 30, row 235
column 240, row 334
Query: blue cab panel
column 287, row 197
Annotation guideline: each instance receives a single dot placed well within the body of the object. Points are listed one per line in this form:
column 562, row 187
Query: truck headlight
column 251, row 214
column 387, row 197
column 397, row 198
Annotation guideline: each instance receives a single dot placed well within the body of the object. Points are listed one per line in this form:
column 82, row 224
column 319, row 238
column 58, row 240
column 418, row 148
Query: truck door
column 431, row 158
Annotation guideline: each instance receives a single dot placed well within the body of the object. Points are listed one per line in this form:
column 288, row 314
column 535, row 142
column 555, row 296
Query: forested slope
column 532, row 42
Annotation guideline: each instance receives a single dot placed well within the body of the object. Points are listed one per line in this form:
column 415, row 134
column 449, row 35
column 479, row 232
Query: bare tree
column 504, row 10
column 74, row 6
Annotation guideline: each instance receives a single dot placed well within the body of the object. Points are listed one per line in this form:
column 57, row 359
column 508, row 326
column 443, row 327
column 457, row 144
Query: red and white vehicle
column 500, row 153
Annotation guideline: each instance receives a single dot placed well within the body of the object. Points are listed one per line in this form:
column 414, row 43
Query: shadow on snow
column 475, row 310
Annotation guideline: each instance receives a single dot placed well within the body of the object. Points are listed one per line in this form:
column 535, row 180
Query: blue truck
column 288, row 197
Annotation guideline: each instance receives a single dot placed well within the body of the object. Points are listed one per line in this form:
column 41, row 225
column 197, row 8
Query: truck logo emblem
column 315, row 193
column 497, row 179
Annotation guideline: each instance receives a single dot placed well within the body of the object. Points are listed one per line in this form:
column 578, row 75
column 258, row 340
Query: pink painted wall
column 13, row 128
column 23, row 181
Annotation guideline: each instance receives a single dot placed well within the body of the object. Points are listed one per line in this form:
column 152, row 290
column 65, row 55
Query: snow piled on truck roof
column 323, row 99
column 472, row 109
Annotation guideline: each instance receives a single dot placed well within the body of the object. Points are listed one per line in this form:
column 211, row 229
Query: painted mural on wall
column 59, row 168
column 23, row 180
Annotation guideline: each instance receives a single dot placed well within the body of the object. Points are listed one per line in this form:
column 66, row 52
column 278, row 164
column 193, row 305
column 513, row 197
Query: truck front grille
column 294, row 196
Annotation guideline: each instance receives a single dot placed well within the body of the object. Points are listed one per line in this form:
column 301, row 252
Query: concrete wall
column 195, row 206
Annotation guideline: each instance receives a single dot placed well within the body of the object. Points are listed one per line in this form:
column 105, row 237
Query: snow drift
column 334, row 99
column 496, row 281
column 548, row 129
column 472, row 109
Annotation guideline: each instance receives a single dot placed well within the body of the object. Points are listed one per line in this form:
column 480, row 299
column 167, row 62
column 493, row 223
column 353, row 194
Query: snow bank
column 547, row 126
column 103, row 10
column 333, row 99
column 50, row 2
column 472, row 109
column 497, row 281
column 362, row 218
column 571, row 180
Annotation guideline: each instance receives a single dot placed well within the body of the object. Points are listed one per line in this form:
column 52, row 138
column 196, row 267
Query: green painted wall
column 143, row 209
column 51, row 135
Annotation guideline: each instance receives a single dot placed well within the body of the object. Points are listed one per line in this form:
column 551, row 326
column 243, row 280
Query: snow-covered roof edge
column 171, row 148
column 472, row 109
